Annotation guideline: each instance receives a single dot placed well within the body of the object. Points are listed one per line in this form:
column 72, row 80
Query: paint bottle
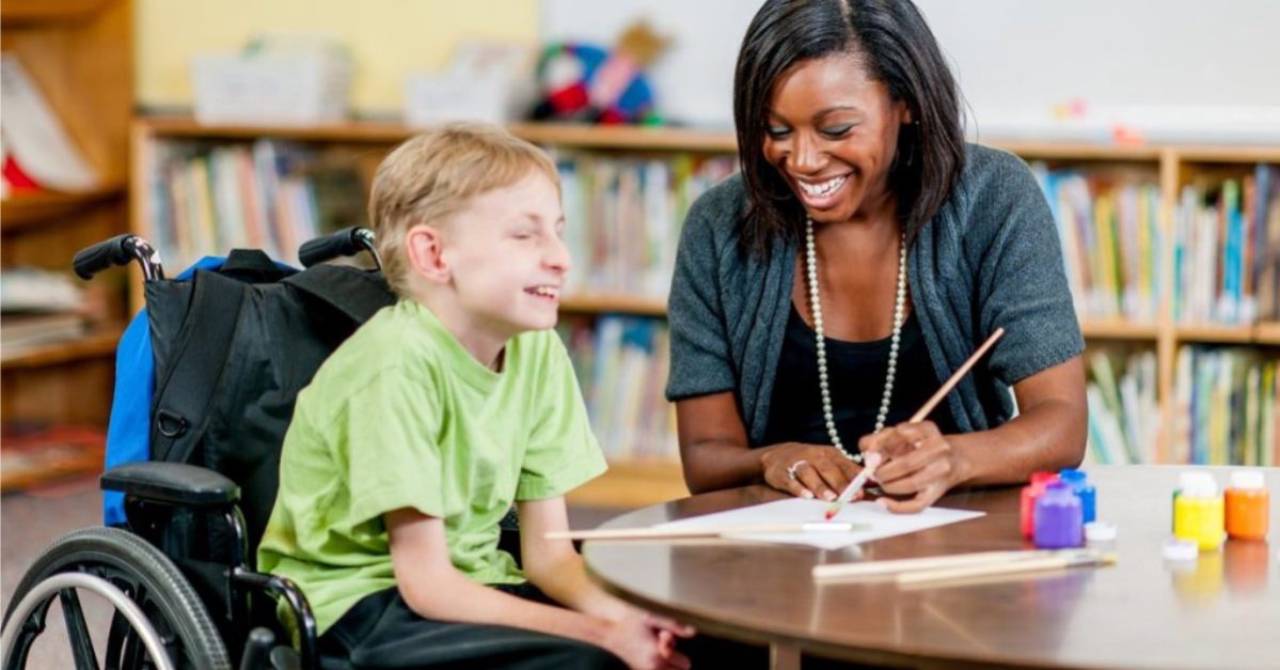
column 1247, row 505
column 1059, row 517
column 1198, row 512
column 1088, row 493
column 1027, row 502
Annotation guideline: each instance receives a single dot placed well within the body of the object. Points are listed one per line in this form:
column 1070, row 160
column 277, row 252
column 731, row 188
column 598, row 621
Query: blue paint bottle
column 1088, row 492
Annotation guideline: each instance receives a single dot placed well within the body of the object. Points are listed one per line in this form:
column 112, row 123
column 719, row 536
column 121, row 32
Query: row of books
column 1111, row 240
column 1225, row 404
column 1124, row 413
column 270, row 195
column 624, row 213
column 1227, row 249
column 1225, row 243
column 625, row 216
column 621, row 363
column 40, row 307
column 1226, row 409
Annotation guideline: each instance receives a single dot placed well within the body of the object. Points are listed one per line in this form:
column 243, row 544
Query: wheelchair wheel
column 156, row 609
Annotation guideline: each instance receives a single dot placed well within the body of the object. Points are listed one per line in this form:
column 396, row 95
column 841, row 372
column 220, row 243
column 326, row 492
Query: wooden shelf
column 1076, row 151
column 22, row 211
column 632, row 484
column 1117, row 329
column 97, row 345
column 622, row 304
column 640, row 138
column 1214, row 333
column 1208, row 154
column 355, row 131
column 671, row 138
column 36, row 12
column 1267, row 333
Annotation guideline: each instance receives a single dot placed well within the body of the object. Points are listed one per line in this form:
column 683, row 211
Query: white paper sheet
column 872, row 522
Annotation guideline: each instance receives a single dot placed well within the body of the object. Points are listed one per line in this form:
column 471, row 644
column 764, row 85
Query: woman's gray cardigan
column 990, row 257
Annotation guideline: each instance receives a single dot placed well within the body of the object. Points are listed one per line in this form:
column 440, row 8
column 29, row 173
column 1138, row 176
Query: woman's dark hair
column 898, row 49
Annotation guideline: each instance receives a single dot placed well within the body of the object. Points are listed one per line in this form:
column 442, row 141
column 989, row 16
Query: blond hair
column 433, row 175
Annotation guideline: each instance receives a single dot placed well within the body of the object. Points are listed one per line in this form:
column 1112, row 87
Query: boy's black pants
column 381, row 632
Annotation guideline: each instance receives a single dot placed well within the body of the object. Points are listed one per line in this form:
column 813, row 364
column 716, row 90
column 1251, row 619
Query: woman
column 863, row 253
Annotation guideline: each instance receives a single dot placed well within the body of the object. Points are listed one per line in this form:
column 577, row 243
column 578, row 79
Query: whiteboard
column 1179, row 66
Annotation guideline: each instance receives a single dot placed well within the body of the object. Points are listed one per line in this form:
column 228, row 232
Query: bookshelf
column 79, row 55
column 645, row 480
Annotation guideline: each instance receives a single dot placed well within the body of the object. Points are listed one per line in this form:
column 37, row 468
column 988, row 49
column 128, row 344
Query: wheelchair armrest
column 303, row 618
column 172, row 483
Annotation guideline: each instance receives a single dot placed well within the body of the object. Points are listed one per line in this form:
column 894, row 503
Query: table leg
column 784, row 656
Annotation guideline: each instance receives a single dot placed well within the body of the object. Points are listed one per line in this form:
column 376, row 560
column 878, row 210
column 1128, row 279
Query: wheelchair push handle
column 345, row 242
column 118, row 251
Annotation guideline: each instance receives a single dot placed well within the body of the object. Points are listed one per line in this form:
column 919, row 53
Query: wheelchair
column 231, row 347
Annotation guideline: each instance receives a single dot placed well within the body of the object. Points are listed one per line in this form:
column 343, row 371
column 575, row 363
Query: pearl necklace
column 811, row 264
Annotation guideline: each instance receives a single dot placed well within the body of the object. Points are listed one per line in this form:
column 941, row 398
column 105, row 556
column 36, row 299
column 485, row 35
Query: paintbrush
column 870, row 463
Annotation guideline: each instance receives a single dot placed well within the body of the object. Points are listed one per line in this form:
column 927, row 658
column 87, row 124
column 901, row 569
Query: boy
column 419, row 432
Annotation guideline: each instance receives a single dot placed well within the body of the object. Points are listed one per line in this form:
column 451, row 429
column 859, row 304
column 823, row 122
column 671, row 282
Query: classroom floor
column 30, row 522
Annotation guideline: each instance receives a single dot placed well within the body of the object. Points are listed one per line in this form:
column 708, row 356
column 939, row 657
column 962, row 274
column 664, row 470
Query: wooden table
column 1223, row 611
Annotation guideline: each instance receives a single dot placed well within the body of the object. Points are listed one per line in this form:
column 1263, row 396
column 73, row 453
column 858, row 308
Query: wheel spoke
column 133, row 653
column 78, row 631
column 115, row 640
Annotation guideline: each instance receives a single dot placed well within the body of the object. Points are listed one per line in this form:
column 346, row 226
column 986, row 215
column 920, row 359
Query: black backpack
column 232, row 349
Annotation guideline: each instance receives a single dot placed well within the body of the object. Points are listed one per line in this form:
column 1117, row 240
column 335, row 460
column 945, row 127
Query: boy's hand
column 647, row 642
column 667, row 631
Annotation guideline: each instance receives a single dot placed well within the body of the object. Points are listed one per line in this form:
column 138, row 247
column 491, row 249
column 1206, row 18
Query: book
column 1111, row 240
column 1229, row 396
column 35, row 138
column 1226, row 249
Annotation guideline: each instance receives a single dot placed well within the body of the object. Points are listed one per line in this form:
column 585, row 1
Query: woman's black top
column 855, row 373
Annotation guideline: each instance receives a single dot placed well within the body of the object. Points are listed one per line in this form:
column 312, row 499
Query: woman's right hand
column 821, row 471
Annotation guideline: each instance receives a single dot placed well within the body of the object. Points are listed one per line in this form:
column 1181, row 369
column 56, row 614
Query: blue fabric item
column 129, row 429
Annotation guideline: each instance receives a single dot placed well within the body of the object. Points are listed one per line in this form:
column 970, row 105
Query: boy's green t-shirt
column 402, row 416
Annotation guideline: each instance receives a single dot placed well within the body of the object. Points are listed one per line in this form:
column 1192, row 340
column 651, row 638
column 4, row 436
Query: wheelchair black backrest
column 233, row 347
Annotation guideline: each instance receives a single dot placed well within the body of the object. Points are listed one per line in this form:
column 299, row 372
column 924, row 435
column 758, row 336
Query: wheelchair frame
column 154, row 492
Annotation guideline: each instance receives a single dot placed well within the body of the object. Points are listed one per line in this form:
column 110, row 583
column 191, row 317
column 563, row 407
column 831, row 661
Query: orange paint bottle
column 1248, row 506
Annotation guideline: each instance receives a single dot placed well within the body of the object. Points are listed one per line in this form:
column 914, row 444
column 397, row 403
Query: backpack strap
column 356, row 293
column 179, row 417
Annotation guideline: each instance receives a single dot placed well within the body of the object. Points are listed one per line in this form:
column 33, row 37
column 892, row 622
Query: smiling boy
column 422, row 430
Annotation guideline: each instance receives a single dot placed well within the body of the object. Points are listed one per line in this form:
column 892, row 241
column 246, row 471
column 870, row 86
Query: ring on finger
column 791, row 469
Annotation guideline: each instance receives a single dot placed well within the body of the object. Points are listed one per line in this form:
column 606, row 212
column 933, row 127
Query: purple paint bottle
column 1059, row 518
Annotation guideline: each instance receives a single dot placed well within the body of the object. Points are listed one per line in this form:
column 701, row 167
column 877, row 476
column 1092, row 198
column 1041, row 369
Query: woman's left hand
column 919, row 463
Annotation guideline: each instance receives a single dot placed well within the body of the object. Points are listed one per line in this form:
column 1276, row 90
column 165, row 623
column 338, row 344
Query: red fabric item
column 612, row 116
column 569, row 99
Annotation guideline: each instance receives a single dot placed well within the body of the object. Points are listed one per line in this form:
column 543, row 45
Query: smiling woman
column 862, row 254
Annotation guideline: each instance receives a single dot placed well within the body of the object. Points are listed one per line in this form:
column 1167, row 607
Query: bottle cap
column 1180, row 550
column 1059, row 487
column 1247, row 479
column 1072, row 475
column 1042, row 477
column 1198, row 484
column 1099, row 531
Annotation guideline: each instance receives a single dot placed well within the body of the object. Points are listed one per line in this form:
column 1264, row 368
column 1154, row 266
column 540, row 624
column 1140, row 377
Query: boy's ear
column 426, row 253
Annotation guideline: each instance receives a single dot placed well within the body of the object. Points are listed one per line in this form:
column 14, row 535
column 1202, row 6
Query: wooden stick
column 742, row 529
column 864, row 569
column 1008, row 567
column 955, row 378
